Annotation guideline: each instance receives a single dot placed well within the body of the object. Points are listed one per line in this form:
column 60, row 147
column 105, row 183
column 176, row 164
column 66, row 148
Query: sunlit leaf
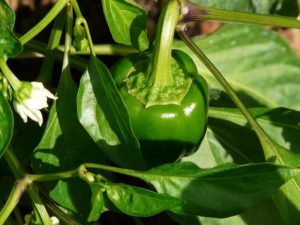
column 9, row 44
column 140, row 202
column 267, row 72
column 97, row 203
column 223, row 191
column 102, row 113
column 127, row 22
column 7, row 16
column 283, row 7
column 283, row 126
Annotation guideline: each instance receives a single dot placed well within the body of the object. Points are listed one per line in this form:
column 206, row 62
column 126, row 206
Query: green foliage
column 7, row 16
column 65, row 145
column 262, row 214
column 9, row 43
column 127, row 22
column 279, row 123
column 282, row 125
column 283, row 7
column 262, row 76
column 97, row 201
column 108, row 121
column 86, row 163
column 6, row 124
column 235, row 5
column 222, row 191
column 140, row 202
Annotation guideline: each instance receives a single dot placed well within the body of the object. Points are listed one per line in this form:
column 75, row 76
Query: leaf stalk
column 196, row 12
column 51, row 15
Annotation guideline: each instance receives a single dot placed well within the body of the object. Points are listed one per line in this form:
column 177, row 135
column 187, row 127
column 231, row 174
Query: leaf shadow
column 136, row 33
column 261, row 214
column 240, row 142
column 289, row 121
column 66, row 145
column 210, row 198
column 74, row 191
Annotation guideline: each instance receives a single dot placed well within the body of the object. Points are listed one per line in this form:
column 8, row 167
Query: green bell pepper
column 165, row 96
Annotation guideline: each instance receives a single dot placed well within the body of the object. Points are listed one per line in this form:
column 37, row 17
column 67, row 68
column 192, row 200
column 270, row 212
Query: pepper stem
column 15, row 83
column 161, row 81
column 159, row 69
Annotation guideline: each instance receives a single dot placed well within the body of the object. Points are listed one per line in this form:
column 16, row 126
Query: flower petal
column 20, row 110
column 36, row 103
column 35, row 115
column 35, row 99
column 38, row 88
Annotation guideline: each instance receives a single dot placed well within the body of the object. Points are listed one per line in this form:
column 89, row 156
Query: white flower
column 54, row 220
column 30, row 99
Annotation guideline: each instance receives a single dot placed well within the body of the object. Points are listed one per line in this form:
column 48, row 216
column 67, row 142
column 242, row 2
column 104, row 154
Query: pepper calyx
column 151, row 95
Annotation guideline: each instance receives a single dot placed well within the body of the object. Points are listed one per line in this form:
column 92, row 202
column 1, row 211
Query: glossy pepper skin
column 165, row 132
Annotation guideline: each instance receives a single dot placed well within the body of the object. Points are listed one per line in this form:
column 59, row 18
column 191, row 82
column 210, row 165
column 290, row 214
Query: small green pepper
column 165, row 96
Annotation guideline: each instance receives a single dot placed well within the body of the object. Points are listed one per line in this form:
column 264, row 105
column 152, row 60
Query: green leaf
column 102, row 113
column 9, row 44
column 127, row 22
column 32, row 219
column 261, row 214
column 223, row 191
column 273, row 121
column 7, row 16
column 234, row 5
column 267, row 72
column 283, row 126
column 140, row 202
column 6, row 124
column 97, row 201
column 26, row 137
column 282, row 7
column 223, row 147
column 210, row 153
column 288, row 8
column 64, row 146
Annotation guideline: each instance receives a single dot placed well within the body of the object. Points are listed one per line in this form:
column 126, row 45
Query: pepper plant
column 179, row 130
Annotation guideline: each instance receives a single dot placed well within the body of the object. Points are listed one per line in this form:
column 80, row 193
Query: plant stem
column 36, row 49
column 159, row 69
column 68, row 38
column 13, row 200
column 38, row 204
column 55, row 10
column 32, row 189
column 76, row 62
column 270, row 149
column 59, row 213
column 76, row 8
column 18, row 216
column 197, row 12
column 10, row 76
column 55, row 36
column 53, row 176
column 14, row 164
column 123, row 171
column 107, row 49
